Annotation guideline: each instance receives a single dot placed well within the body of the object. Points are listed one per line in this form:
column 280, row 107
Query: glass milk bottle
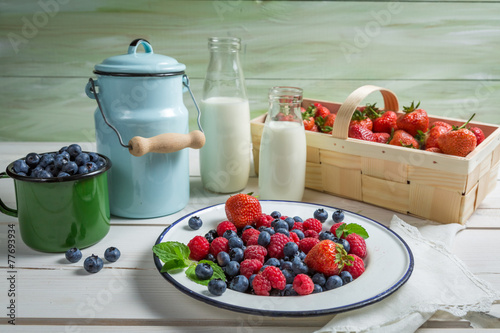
column 225, row 119
column 282, row 157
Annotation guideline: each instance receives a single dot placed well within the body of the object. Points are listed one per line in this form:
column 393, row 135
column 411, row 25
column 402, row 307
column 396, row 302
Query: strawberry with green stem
column 460, row 141
column 383, row 122
column 413, row 119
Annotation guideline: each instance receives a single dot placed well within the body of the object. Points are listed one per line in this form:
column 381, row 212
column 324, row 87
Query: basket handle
column 341, row 125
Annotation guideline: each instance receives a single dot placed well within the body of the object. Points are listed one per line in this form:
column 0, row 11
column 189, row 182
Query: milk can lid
column 135, row 63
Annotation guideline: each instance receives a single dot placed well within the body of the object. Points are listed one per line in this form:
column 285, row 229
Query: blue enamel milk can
column 142, row 125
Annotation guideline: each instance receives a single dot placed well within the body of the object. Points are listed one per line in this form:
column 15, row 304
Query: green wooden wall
column 443, row 53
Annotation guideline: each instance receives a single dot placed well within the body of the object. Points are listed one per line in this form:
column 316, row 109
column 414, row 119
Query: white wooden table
column 52, row 295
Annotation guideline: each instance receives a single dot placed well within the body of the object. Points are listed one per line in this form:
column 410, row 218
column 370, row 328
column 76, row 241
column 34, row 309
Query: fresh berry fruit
column 275, row 214
column 203, row 271
column 74, row 150
column 413, row 120
column 345, row 244
column 303, row 284
column 93, row 264
column 250, row 266
column 223, row 258
column 228, row 234
column 232, row 268
column 313, row 224
column 276, row 245
column 432, row 137
column 219, row 244
column 32, row 160
column 382, row 137
column 311, row 233
column 294, row 236
column 239, row 283
column 319, row 279
column 385, row 122
column 459, row 141
column 298, row 226
column 327, row 257
column 235, row 242
column 20, row 166
column 333, row 282
column 195, row 222
column 321, row 215
column 321, row 111
column 245, row 235
column 82, row 159
column 211, row 235
column 264, row 238
column 360, row 118
column 224, row 226
column 273, row 262
column 290, row 249
column 255, row 252
column 306, row 244
column 70, row 168
column 442, row 124
column 360, row 132
column 199, row 248
column 275, row 276
column 404, row 139
column 357, row 245
column 112, row 254
column 478, row 133
column 216, row 287
column 236, row 254
column 346, row 277
column 309, row 123
column 356, row 268
column 264, row 221
column 243, row 209
column 338, row 216
column 73, row 255
column 434, row 150
column 261, row 285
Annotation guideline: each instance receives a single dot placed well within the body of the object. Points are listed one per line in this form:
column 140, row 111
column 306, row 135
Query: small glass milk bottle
column 282, row 157
column 225, row 119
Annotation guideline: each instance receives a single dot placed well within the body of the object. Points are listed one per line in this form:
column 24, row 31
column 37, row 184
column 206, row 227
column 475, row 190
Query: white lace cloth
column 440, row 281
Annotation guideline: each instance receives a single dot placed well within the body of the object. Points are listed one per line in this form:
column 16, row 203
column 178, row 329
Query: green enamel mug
column 56, row 214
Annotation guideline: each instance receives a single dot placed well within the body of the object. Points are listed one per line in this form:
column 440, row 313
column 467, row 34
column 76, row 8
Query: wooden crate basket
column 439, row 187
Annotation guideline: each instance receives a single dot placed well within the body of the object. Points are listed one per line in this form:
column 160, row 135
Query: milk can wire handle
column 93, row 90
column 185, row 82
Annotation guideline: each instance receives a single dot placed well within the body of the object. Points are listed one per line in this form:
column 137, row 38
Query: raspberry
column 275, row 247
column 219, row 244
column 245, row 235
column 357, row 268
column 199, row 247
column 264, row 221
column 255, row 252
column 298, row 225
column 313, row 224
column 223, row 226
column 261, row 285
column 249, row 267
column 306, row 244
column 294, row 237
column 334, row 227
column 311, row 233
column 303, row 284
column 253, row 240
column 358, row 245
column 275, row 276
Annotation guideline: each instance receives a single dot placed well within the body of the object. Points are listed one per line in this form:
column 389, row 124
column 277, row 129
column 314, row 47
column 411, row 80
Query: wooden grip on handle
column 166, row 143
column 341, row 125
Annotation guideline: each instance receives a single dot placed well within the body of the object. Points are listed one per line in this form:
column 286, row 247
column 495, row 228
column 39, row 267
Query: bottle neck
column 285, row 104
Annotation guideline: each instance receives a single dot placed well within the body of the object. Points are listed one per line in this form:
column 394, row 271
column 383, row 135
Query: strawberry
column 327, row 257
column 321, row 111
column 459, row 141
column 360, row 132
column 325, row 124
column 434, row 150
column 413, row 119
column 433, row 134
column 441, row 123
column 309, row 123
column 403, row 139
column 383, row 122
column 243, row 209
column 478, row 133
column 356, row 266
column 382, row 137
column 360, row 118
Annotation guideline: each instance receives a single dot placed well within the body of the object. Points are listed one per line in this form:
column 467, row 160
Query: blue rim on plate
column 334, row 301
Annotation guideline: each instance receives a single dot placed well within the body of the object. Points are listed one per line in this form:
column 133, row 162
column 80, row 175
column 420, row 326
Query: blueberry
column 264, row 238
column 270, row 231
column 338, row 216
column 299, row 268
column 82, row 170
column 60, row 161
column 216, row 287
column 298, row 219
column 232, row 268
column 289, row 291
column 73, row 255
column 345, row 244
column 94, row 157
column 317, row 289
column 82, row 159
column 235, row 242
column 93, row 264
column 20, row 166
column 239, row 283
column 54, row 171
column 203, row 271
column 236, row 254
column 223, row 258
column 290, row 221
column 32, row 160
column 276, row 214
column 195, row 222
column 101, row 162
column 333, row 282
column 321, row 215
column 301, row 255
column 44, row 174
column 283, row 231
column 211, row 257
column 273, row 262
column 63, row 174
column 319, row 279
column 290, row 249
column 63, row 149
column 289, row 275
column 90, row 166
column 346, row 277
column 45, row 160
column 70, row 168
column 74, row 150
column 299, row 233
column 211, row 235
column 327, row 235
column 281, row 224
column 285, row 264
column 247, row 227
column 112, row 254
column 250, row 279
column 229, row 233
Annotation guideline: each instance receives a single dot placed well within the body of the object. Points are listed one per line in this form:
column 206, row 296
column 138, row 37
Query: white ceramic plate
column 389, row 264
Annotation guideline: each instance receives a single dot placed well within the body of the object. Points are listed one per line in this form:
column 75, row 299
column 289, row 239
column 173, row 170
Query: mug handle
column 3, row 208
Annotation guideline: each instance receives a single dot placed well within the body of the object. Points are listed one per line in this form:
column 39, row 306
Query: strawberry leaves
column 351, row 228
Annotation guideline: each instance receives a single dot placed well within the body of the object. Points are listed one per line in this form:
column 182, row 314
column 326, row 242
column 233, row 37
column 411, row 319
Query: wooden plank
column 342, row 182
column 385, row 193
column 438, row 178
column 389, row 170
column 314, row 178
column 341, row 160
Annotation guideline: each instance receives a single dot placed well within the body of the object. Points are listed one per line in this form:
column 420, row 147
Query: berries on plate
column 321, row 215
column 195, row 222
column 243, row 209
column 217, row 287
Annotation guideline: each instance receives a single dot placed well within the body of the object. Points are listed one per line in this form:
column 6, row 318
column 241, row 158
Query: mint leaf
column 340, row 230
column 218, row 273
column 174, row 255
column 351, row 228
